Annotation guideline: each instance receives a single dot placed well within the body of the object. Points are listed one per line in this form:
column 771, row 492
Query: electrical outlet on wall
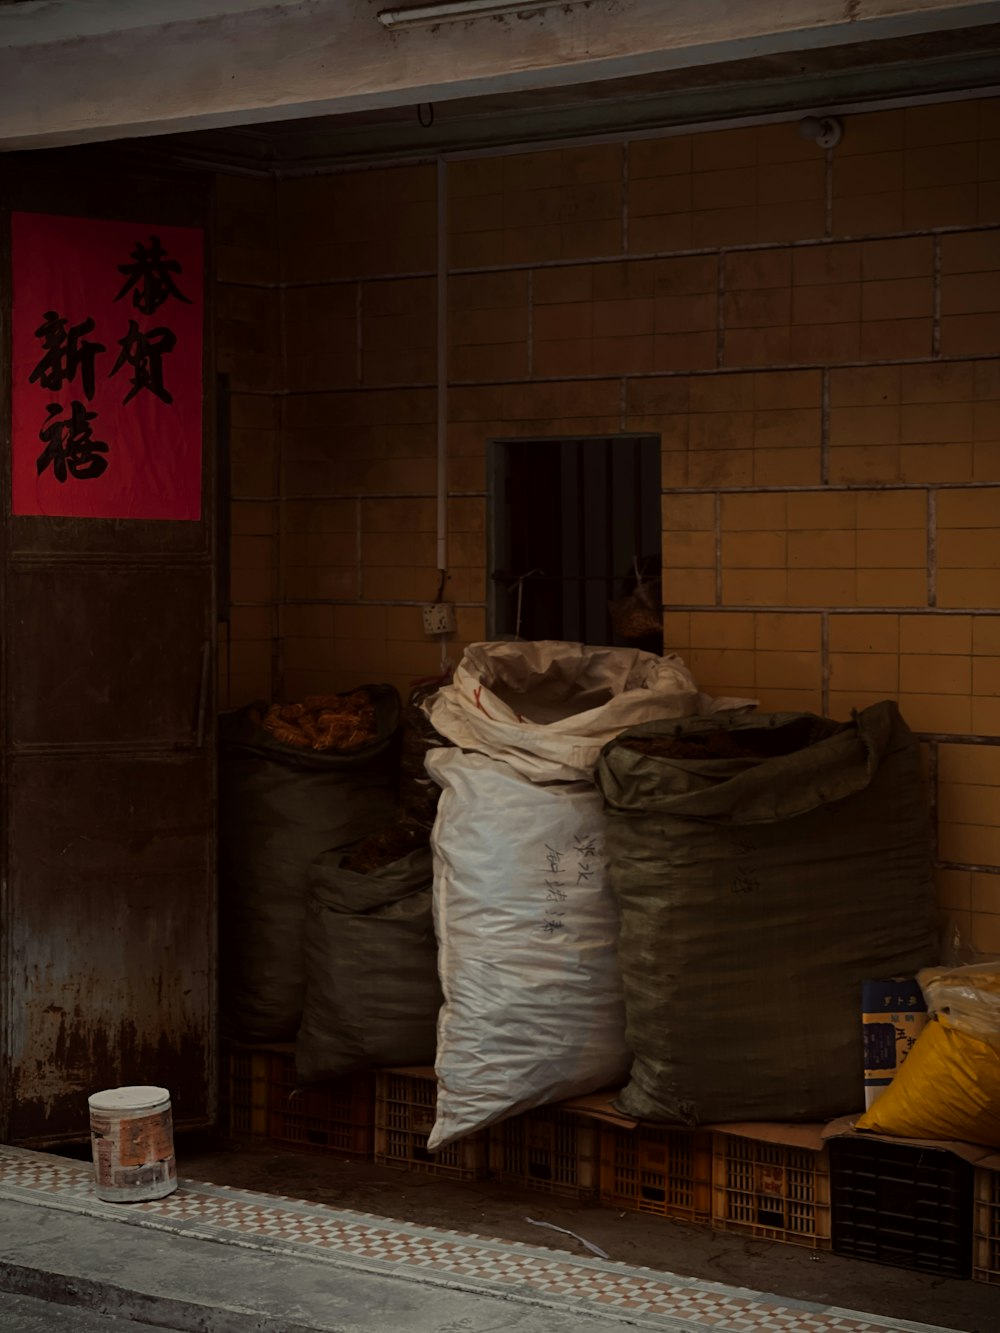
column 439, row 618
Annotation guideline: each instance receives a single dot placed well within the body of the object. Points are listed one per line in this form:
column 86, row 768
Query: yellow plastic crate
column 405, row 1109
column 336, row 1117
column 549, row 1150
column 771, row 1191
column 245, row 1099
column 649, row 1169
column 266, row 1103
column 986, row 1255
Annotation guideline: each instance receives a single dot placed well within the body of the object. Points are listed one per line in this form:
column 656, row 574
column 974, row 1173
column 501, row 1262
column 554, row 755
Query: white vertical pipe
column 442, row 385
column 442, row 364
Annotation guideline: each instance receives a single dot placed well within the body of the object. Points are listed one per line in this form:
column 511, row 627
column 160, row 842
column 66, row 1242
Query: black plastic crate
column 903, row 1205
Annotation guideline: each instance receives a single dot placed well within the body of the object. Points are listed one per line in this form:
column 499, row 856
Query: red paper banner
column 107, row 361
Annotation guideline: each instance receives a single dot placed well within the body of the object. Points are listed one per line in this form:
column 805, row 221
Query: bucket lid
column 128, row 1099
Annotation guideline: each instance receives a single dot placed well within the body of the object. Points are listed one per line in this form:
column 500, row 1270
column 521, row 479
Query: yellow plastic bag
column 949, row 1087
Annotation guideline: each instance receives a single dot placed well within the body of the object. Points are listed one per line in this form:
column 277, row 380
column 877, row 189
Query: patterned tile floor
column 278, row 1224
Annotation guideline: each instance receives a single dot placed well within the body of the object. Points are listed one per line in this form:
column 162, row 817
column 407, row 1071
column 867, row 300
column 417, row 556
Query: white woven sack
column 547, row 707
column 527, row 930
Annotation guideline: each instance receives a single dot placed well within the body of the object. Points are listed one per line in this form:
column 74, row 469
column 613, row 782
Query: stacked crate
column 245, row 1092
column 907, row 1205
column 986, row 1257
column 267, row 1104
column 405, row 1109
column 892, row 1202
column 666, row 1172
column 771, row 1190
column 548, row 1150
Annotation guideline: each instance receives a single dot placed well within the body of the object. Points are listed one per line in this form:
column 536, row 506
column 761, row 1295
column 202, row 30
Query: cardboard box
column 599, row 1106
column 974, row 1153
column 894, row 1013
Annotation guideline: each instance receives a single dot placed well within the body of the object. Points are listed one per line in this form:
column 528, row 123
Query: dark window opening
column 575, row 527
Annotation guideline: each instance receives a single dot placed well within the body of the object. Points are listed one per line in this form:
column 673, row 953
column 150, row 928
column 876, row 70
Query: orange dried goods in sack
column 324, row 722
column 285, row 732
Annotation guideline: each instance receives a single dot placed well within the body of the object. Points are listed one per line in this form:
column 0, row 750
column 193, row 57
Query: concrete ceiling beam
column 65, row 81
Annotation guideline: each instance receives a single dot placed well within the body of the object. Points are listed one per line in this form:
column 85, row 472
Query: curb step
column 121, row 1302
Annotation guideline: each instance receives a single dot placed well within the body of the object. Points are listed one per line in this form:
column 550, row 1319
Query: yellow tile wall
column 248, row 332
column 816, row 342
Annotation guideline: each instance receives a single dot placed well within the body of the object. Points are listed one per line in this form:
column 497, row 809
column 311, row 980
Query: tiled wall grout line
column 674, row 606
column 718, row 549
column 379, row 276
column 427, row 386
column 803, row 243
column 797, row 244
column 749, row 368
column 720, row 312
column 260, row 285
column 828, row 195
column 358, row 601
column 936, row 317
column 959, row 738
column 359, row 545
column 623, row 404
column 932, row 547
column 531, row 325
column 667, row 491
column 824, row 661
column 824, row 427
column 278, row 591
column 833, row 488
column 625, row 211
column 782, row 609
column 330, row 496
column 932, row 796
column 359, row 357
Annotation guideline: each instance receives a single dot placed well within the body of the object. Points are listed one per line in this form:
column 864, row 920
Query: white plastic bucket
column 132, row 1136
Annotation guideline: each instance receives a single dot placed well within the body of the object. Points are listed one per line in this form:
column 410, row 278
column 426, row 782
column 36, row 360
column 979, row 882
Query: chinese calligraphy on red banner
column 107, row 368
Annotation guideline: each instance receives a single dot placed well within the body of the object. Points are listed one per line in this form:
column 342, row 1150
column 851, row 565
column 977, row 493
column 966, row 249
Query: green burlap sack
column 764, row 869
column 372, row 990
column 279, row 808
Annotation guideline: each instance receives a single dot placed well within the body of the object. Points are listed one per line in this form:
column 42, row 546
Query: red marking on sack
column 479, row 703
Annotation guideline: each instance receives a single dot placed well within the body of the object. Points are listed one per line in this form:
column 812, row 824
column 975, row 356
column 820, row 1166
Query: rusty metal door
column 107, row 914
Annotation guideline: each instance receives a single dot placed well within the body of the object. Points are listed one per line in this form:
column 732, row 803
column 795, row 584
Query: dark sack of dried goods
column 418, row 792
column 764, row 869
column 372, row 990
column 282, row 802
